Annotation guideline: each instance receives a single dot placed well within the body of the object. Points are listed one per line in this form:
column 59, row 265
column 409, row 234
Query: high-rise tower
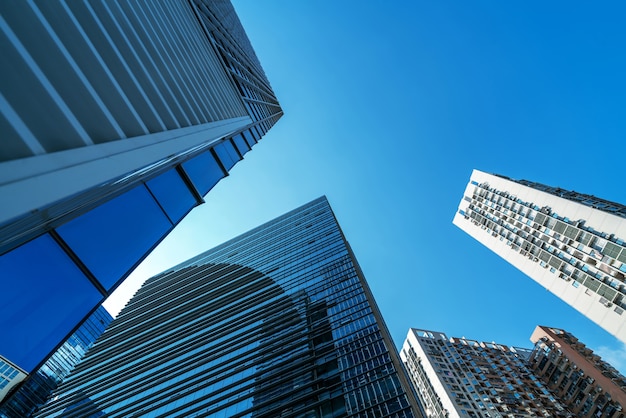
column 570, row 243
column 276, row 322
column 580, row 379
column 116, row 118
column 459, row 377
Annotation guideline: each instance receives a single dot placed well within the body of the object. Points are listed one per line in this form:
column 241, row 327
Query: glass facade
column 276, row 322
column 33, row 393
column 117, row 82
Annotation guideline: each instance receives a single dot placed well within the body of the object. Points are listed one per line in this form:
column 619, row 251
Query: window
column 116, row 235
column 241, row 144
column 204, row 172
column 45, row 295
column 172, row 193
column 227, row 154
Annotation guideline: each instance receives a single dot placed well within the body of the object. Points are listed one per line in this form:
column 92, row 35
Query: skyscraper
column 34, row 391
column 580, row 379
column 570, row 243
column 276, row 322
column 116, row 118
column 459, row 377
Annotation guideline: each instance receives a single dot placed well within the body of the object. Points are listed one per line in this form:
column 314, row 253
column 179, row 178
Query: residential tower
column 570, row 243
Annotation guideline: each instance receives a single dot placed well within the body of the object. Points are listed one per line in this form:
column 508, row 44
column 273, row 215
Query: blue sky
column 388, row 108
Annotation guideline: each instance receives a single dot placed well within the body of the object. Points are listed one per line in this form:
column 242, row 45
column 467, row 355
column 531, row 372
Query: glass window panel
column 44, row 296
column 172, row 193
column 611, row 250
column 572, row 232
column 204, row 172
column 249, row 138
column 113, row 237
column 540, row 218
column 227, row 154
column 607, row 292
column 242, row 146
column 544, row 256
column 592, row 284
column 560, row 227
column 555, row 262
column 256, row 133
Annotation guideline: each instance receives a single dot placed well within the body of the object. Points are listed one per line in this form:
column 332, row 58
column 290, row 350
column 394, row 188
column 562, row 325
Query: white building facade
column 570, row 243
column 458, row 377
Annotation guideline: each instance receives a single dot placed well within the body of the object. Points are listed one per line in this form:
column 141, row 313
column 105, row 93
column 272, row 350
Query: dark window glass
column 204, row 172
column 173, row 195
column 227, row 154
column 113, row 237
column 242, row 146
column 44, row 296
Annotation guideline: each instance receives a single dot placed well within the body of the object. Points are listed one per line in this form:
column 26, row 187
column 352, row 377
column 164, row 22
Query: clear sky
column 388, row 108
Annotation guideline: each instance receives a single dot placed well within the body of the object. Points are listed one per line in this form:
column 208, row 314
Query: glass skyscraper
column 278, row 322
column 571, row 243
column 36, row 388
column 116, row 118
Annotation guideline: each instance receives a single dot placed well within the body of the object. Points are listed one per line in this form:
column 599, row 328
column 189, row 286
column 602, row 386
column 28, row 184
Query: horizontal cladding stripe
column 172, row 323
column 259, row 238
column 236, row 368
column 207, row 301
column 265, row 352
column 262, row 354
column 172, row 394
column 248, row 99
column 224, row 329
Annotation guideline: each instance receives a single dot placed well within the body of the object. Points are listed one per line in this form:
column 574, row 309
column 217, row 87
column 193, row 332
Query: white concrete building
column 570, row 243
column 458, row 377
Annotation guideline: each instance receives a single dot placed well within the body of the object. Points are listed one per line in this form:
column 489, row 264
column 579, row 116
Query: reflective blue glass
column 241, row 144
column 173, row 195
column 227, row 154
column 249, row 138
column 38, row 387
column 256, row 133
column 44, row 296
column 277, row 319
column 204, row 172
column 113, row 237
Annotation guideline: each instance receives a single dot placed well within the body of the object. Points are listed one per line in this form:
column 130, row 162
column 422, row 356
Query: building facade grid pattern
column 458, row 377
column 579, row 249
column 580, row 379
column 276, row 322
